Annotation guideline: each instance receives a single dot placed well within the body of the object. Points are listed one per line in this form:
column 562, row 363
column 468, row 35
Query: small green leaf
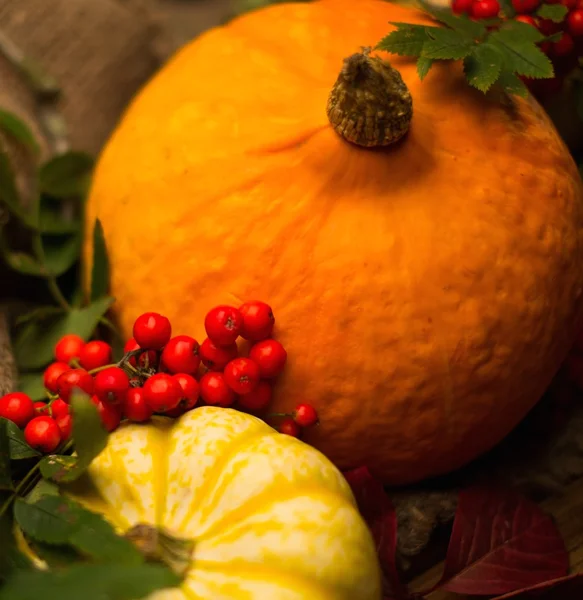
column 100, row 268
column 512, row 84
column 18, row 130
column 18, row 447
column 90, row 582
column 552, row 12
column 35, row 342
column 461, row 24
column 405, row 41
column 61, row 468
column 11, row 558
column 41, row 489
column 21, row 261
column 522, row 58
column 88, row 432
column 32, row 385
column 519, row 31
column 483, row 67
column 61, row 254
column 55, row 520
column 5, row 472
column 67, row 175
column 41, row 312
column 446, row 44
column 423, row 66
column 8, row 192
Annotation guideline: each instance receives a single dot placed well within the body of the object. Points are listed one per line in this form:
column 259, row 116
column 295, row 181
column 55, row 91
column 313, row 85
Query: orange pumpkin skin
column 426, row 293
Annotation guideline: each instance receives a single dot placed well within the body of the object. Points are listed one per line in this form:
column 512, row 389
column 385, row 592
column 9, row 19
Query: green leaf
column 405, row 41
column 483, row 66
column 61, row 254
column 56, row 556
column 512, row 84
column 18, row 447
column 5, row 472
column 61, row 468
column 461, row 24
column 8, row 192
column 447, row 44
column 522, row 58
column 88, row 432
column 35, row 342
column 100, row 268
column 423, row 66
column 520, row 32
column 21, row 261
column 42, row 488
column 18, row 130
column 11, row 559
column 55, row 520
column 53, row 219
column 90, row 582
column 32, row 384
column 552, row 12
column 66, row 175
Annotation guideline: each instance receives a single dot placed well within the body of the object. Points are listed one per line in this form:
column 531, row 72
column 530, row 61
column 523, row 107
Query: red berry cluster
column 161, row 374
column 564, row 52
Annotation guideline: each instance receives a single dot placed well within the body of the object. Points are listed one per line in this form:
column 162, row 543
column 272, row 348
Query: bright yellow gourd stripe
column 272, row 517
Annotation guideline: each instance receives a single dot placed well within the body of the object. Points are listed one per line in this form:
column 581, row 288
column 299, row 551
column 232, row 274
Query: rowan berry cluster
column 161, row 374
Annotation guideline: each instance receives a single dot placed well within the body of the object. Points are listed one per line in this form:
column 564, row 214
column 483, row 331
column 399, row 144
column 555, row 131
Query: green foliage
column 493, row 52
column 552, row 12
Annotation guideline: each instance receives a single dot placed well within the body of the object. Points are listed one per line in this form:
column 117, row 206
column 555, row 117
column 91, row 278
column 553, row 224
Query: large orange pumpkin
column 426, row 292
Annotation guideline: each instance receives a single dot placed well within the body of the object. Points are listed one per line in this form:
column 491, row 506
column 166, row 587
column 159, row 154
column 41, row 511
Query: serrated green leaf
column 446, row 44
column 483, row 67
column 518, row 31
column 88, row 431
column 90, row 582
column 5, row 471
column 35, row 341
column 32, row 385
column 552, row 12
column 42, row 488
column 512, row 84
column 18, row 130
column 55, row 520
column 61, row 469
column 61, row 253
column 11, row 558
column 423, row 66
column 100, row 266
column 18, row 447
column 462, row 24
column 404, row 42
column 522, row 58
column 67, row 175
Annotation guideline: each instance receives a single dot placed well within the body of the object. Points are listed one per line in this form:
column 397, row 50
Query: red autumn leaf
column 565, row 588
column 379, row 514
column 501, row 542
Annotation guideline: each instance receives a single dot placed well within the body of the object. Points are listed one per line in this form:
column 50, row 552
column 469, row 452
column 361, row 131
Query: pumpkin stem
column 157, row 545
column 369, row 105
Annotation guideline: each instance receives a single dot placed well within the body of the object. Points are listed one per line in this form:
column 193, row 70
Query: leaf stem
column 49, row 277
column 21, row 485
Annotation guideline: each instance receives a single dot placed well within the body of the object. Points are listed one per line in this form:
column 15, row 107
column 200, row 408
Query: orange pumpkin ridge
column 426, row 292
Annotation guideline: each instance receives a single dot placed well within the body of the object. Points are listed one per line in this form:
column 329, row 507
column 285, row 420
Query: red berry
column 289, row 427
column 65, row 425
column 258, row 321
column 460, row 7
column 180, row 355
column 112, row 385
column 110, row 415
column 42, row 408
column 162, row 392
column 216, row 358
column 190, row 390
column 548, row 27
column 575, row 22
column 152, row 331
column 147, row 358
column 17, row 407
column 74, row 379
column 42, row 433
column 223, row 325
column 136, row 408
column 59, row 408
column 214, row 389
column 563, row 46
column 525, row 19
column 95, row 354
column 270, row 357
column 242, row 375
column 305, row 415
column 485, row 9
column 52, row 374
column 68, row 348
column 258, row 399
